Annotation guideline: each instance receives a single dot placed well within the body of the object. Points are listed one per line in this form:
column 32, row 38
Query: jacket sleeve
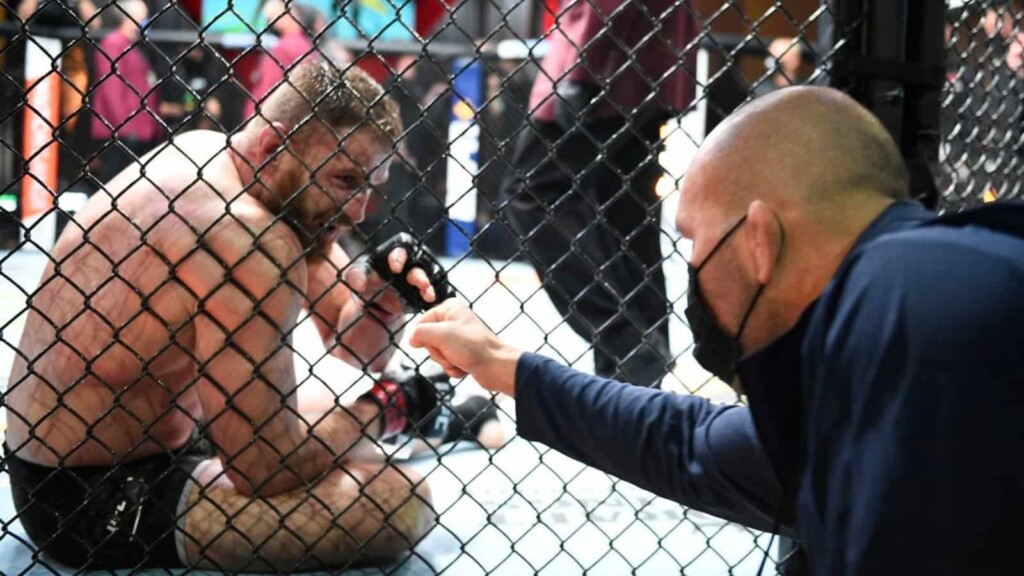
column 677, row 446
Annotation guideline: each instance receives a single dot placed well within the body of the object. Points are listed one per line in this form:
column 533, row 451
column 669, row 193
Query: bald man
column 154, row 418
column 880, row 347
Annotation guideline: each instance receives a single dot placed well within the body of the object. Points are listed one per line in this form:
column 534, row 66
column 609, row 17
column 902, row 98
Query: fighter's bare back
column 106, row 365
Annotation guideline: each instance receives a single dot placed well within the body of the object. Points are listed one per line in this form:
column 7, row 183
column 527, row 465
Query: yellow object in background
column 990, row 195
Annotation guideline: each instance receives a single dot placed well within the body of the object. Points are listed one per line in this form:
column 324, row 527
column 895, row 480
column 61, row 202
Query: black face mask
column 713, row 348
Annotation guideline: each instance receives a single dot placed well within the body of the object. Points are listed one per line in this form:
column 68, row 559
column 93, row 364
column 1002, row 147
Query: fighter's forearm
column 296, row 450
column 331, row 437
column 366, row 338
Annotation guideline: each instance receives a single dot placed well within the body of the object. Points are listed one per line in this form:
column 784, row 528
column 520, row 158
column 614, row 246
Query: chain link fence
column 199, row 197
column 982, row 113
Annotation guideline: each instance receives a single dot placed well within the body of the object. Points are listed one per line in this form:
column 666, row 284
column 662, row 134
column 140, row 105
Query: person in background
column 1015, row 55
column 125, row 99
column 783, row 65
column 190, row 98
column 412, row 201
column 327, row 43
column 994, row 111
column 879, row 347
column 293, row 45
column 74, row 72
column 581, row 192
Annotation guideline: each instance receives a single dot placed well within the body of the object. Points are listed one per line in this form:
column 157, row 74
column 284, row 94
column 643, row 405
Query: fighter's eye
column 350, row 181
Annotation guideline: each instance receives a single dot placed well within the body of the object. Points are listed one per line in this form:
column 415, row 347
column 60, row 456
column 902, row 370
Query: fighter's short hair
column 319, row 91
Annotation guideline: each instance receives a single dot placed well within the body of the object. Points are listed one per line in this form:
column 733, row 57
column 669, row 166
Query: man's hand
column 460, row 342
column 379, row 300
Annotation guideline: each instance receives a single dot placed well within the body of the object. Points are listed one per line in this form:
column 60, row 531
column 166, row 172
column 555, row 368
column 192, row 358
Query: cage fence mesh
column 191, row 192
column 981, row 152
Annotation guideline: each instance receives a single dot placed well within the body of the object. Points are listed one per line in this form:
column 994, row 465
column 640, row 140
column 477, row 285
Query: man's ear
column 766, row 232
column 270, row 143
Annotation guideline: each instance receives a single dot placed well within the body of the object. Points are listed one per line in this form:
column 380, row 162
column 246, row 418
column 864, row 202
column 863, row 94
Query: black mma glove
column 419, row 256
column 414, row 401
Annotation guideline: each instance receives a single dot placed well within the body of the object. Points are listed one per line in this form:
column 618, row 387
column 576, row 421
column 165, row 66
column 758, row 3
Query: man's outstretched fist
column 463, row 345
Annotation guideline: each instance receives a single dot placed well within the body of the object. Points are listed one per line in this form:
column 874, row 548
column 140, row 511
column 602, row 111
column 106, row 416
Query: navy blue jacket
column 895, row 447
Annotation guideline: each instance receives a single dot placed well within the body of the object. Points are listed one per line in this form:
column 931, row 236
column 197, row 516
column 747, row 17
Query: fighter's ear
column 270, row 143
column 766, row 232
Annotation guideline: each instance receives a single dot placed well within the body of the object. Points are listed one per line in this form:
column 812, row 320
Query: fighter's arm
column 359, row 319
column 678, row 446
column 249, row 302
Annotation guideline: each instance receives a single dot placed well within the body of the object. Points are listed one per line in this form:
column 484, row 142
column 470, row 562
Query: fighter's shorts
column 97, row 517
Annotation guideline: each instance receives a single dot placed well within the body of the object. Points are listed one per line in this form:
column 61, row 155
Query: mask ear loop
column 782, row 236
column 750, row 310
column 760, row 289
column 777, row 524
column 721, row 242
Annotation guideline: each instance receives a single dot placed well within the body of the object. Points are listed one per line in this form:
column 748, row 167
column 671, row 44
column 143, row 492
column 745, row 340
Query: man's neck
column 811, row 267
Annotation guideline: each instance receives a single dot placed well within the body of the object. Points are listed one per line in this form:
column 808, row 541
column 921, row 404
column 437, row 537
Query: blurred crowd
column 983, row 109
column 128, row 89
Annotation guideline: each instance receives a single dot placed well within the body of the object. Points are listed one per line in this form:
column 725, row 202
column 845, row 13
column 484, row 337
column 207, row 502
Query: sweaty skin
column 176, row 290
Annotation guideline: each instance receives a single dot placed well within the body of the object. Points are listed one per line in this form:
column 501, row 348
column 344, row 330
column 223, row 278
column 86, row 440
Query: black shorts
column 99, row 517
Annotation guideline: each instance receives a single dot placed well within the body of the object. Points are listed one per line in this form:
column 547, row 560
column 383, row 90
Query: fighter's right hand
column 462, row 344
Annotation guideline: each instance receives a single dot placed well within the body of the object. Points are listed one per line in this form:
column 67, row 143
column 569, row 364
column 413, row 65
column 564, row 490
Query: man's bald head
column 808, row 145
column 797, row 175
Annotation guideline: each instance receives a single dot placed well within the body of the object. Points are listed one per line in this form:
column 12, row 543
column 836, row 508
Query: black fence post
column 890, row 57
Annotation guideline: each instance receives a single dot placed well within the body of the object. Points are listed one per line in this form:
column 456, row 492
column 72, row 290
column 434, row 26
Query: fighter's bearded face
column 324, row 184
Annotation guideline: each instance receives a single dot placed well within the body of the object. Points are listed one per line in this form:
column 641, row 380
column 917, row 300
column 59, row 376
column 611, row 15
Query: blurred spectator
column 293, row 45
column 998, row 24
column 783, row 63
column 189, row 99
column 74, row 72
column 993, row 110
column 327, row 43
column 1015, row 56
column 412, row 200
column 57, row 12
column 583, row 193
column 125, row 102
column 504, row 114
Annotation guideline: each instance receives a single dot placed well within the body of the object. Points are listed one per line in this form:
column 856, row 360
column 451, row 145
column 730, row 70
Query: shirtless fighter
column 163, row 325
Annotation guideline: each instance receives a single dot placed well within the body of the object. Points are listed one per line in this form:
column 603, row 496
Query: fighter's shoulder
column 244, row 243
column 197, row 154
column 228, row 224
column 241, row 227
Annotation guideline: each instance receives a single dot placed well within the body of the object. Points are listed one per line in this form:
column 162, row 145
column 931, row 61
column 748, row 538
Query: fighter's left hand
column 391, row 281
